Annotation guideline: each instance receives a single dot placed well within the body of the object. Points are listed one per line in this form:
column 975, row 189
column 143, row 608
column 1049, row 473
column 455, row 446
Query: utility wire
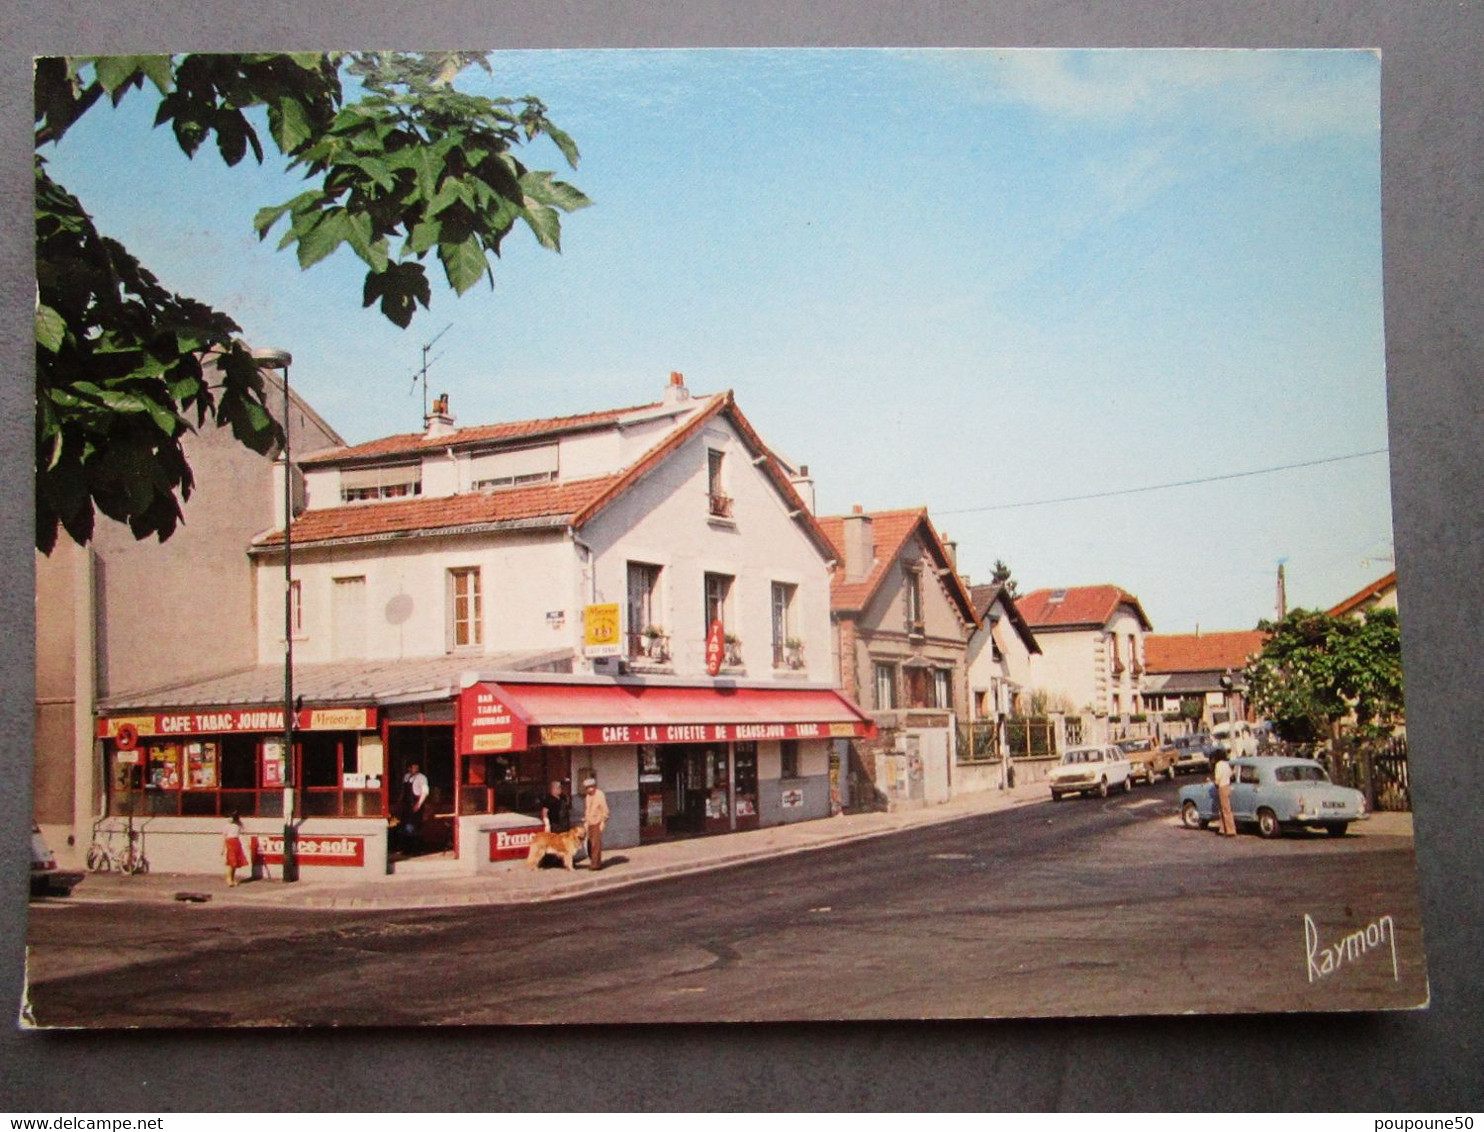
column 1164, row 486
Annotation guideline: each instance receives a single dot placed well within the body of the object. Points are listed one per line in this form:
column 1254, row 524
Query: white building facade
column 636, row 595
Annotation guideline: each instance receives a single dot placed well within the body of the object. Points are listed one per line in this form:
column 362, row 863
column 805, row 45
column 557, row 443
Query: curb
column 808, row 840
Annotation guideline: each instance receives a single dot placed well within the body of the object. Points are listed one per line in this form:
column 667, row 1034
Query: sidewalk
column 416, row 885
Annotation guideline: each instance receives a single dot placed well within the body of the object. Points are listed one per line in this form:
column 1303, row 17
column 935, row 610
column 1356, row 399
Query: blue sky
column 962, row 279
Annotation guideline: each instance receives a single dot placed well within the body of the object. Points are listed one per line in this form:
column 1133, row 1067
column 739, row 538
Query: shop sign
column 487, row 725
column 125, row 730
column 716, row 647
column 602, row 632
column 793, row 799
column 620, row 734
column 512, row 844
column 343, row 852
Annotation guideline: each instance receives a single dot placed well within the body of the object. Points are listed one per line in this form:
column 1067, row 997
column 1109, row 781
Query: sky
column 977, row 281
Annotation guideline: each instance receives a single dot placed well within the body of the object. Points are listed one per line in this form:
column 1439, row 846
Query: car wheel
column 1337, row 829
column 1102, row 788
column 1128, row 784
column 1190, row 816
column 1055, row 797
column 1267, row 824
column 1170, row 772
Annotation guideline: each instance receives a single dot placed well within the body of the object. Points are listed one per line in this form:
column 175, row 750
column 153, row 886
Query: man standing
column 556, row 811
column 1223, row 775
column 595, row 814
column 414, row 796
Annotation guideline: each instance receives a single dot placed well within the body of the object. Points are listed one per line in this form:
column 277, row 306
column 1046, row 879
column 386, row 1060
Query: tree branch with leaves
column 410, row 168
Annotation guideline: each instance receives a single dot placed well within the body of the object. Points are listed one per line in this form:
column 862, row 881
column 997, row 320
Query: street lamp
column 269, row 358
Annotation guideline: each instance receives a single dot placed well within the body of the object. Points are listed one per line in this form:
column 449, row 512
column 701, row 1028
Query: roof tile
column 1203, row 652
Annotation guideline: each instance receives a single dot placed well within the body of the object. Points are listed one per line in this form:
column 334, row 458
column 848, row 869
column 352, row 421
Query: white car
column 1090, row 770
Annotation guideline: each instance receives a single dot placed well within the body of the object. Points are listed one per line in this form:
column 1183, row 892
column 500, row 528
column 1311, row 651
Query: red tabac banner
column 131, row 728
column 487, row 724
column 716, row 648
column 345, row 852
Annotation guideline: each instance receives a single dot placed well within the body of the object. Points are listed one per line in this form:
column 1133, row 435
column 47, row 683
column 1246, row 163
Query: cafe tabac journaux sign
column 602, row 631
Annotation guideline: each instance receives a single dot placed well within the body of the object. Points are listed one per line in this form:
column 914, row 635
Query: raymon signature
column 1326, row 961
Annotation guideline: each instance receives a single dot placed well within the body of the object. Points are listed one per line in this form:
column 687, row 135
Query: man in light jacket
column 595, row 815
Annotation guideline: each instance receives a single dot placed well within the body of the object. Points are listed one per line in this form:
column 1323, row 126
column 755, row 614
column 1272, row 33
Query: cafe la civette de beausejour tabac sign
column 492, row 722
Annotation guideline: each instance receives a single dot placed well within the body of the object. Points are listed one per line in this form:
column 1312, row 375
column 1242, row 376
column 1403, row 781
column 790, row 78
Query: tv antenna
column 421, row 375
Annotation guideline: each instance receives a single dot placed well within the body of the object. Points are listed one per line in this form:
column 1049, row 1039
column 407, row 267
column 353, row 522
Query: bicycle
column 103, row 856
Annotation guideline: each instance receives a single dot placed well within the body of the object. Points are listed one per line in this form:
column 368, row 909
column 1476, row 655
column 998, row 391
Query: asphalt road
column 1081, row 907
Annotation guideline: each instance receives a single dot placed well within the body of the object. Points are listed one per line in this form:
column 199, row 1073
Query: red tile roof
column 410, row 443
column 1372, row 591
column 574, row 502
column 1203, row 652
column 890, row 531
column 428, row 515
column 1081, row 606
column 984, row 598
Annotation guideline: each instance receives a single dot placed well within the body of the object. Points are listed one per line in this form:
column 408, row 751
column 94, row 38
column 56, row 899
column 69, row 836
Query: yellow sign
column 561, row 736
column 499, row 741
column 338, row 719
column 602, row 631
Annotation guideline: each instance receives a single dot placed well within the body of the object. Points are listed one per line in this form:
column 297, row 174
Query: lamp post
column 269, row 358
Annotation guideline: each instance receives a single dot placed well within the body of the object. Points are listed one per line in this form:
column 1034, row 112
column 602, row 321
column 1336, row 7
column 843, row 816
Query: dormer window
column 397, row 481
column 518, row 468
column 914, row 601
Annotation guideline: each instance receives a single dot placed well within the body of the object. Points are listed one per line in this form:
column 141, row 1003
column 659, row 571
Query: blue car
column 1277, row 794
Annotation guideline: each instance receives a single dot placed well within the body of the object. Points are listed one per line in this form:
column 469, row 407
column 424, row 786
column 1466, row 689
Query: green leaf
column 425, row 234
column 564, row 143
column 360, row 235
column 322, row 239
column 463, row 263
column 289, row 124
column 545, row 223
column 115, row 71
column 51, row 328
column 400, row 289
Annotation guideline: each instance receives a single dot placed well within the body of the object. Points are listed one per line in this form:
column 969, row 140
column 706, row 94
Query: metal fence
column 1030, row 738
column 979, row 742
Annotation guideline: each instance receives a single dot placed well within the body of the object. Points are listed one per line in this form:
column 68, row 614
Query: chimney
column 804, row 484
column 440, row 421
column 676, row 392
column 860, row 547
column 951, row 549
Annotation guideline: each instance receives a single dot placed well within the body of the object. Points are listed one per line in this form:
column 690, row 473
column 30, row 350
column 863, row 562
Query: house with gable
column 639, row 595
column 1092, row 654
column 1001, row 659
column 1380, row 594
column 1197, row 678
column 902, row 621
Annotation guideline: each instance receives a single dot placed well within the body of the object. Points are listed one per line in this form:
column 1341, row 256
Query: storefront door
column 431, row 747
column 686, row 790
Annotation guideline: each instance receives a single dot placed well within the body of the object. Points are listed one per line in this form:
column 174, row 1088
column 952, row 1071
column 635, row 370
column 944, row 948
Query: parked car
column 1090, row 770
column 1277, row 793
column 46, row 878
column 1149, row 760
column 1194, row 753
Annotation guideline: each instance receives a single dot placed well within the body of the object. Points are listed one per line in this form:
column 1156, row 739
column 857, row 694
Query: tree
column 410, row 167
column 1316, row 670
column 1002, row 577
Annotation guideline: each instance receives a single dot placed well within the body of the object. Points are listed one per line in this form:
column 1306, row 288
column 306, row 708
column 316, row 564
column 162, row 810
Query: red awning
column 513, row 717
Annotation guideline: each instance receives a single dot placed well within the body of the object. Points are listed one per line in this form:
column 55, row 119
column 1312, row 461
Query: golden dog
column 563, row 845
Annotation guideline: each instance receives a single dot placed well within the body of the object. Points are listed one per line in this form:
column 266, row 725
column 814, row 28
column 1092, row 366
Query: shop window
column 465, row 609
column 886, row 686
column 788, row 756
column 320, row 760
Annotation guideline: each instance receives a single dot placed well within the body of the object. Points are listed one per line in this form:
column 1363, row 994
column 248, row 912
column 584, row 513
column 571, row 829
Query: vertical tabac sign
column 602, row 633
column 716, row 648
